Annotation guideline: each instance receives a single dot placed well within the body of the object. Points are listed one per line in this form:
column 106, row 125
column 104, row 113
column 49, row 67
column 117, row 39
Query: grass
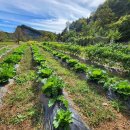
column 3, row 50
column 89, row 102
column 7, row 43
column 11, row 47
column 118, row 105
column 22, row 109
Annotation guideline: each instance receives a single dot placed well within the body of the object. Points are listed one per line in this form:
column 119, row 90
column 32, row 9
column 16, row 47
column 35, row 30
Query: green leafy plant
column 62, row 119
column 45, row 73
column 80, row 67
column 59, row 55
column 122, row 87
column 110, row 82
column 53, row 86
column 65, row 58
column 38, row 58
column 96, row 74
column 58, row 99
column 6, row 71
column 72, row 62
column 13, row 59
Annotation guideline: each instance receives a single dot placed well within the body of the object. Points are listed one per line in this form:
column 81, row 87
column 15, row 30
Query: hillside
column 5, row 36
column 110, row 22
column 25, row 33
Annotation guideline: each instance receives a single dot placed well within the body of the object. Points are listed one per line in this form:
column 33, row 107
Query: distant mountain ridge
column 29, row 33
column 25, row 33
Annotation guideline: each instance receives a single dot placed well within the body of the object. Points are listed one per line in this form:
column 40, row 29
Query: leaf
column 51, row 102
column 56, row 124
column 62, row 119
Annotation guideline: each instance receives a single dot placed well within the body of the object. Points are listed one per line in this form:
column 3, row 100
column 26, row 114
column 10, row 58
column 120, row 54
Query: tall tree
column 18, row 35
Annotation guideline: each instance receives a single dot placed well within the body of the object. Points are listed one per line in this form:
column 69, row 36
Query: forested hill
column 25, row 33
column 110, row 22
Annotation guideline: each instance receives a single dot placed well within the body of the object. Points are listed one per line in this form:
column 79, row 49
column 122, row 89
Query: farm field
column 37, row 78
column 65, row 65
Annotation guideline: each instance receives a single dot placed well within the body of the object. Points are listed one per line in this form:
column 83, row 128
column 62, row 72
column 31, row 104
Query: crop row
column 52, row 88
column 3, row 50
column 113, row 56
column 8, row 66
column 96, row 75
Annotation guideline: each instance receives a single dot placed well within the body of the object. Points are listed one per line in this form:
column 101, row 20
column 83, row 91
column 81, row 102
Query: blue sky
column 50, row 15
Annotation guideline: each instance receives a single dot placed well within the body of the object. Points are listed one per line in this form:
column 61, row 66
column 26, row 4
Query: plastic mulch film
column 50, row 113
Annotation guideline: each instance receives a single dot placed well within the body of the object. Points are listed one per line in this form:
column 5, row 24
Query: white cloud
column 46, row 14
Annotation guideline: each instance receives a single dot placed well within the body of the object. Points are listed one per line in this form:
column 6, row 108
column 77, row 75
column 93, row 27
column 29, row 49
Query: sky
column 50, row 15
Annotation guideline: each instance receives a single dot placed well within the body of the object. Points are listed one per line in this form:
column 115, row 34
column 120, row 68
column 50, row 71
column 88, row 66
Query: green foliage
column 45, row 73
column 2, row 51
column 5, row 36
column 65, row 58
column 123, row 26
column 63, row 119
column 7, row 68
column 123, row 87
column 6, row 71
column 104, row 16
column 18, row 119
column 80, row 67
column 97, row 28
column 114, row 35
column 21, row 79
column 13, row 59
column 109, row 54
column 53, row 87
column 117, row 105
column 72, row 62
column 38, row 58
column 96, row 74
column 102, row 54
column 58, row 99
column 110, row 82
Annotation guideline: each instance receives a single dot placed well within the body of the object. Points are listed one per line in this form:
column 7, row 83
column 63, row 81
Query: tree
column 104, row 16
column 19, row 35
column 3, row 36
column 114, row 35
column 123, row 25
